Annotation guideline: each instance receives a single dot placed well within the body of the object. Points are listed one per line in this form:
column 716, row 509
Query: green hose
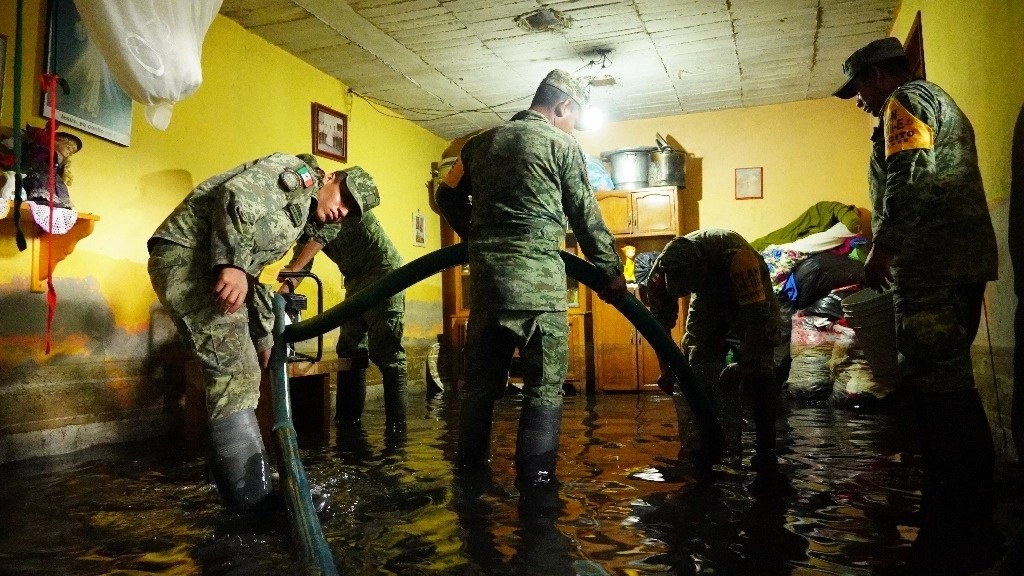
column 306, row 528
column 306, row 531
column 430, row 264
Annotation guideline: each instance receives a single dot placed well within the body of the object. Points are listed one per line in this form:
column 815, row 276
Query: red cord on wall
column 49, row 84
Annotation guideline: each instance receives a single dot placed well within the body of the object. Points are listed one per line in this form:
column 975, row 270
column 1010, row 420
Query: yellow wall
column 254, row 100
column 810, row 151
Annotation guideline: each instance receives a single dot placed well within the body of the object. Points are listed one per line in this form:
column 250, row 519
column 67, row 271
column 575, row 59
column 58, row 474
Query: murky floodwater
column 627, row 505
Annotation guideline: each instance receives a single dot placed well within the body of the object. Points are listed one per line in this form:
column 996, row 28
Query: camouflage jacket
column 926, row 192
column 734, row 286
column 246, row 217
column 360, row 247
column 512, row 192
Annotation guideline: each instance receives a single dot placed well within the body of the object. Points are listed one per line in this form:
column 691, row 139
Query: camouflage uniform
column 364, row 254
column 246, row 217
column 731, row 293
column 526, row 179
column 929, row 205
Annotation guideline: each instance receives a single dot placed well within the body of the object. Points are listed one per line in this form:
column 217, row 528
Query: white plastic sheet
column 152, row 47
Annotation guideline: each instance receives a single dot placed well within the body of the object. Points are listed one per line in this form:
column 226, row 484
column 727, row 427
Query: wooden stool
column 309, row 391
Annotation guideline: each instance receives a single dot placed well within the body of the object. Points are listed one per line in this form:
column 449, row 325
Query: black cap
column 875, row 51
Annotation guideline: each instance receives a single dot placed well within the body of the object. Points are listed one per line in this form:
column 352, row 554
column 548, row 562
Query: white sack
column 152, row 47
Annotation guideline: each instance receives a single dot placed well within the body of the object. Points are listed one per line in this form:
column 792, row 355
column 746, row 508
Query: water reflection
column 627, row 503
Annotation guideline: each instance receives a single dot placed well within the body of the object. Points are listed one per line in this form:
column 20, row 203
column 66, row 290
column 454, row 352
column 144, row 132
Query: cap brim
column 846, row 91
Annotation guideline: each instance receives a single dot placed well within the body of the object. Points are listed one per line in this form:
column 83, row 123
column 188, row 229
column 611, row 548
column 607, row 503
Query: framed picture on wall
column 92, row 100
column 419, row 229
column 748, row 183
column 330, row 133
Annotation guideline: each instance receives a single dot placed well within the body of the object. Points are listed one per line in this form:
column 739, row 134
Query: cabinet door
column 649, row 368
column 655, row 211
column 577, row 372
column 616, row 209
column 615, row 360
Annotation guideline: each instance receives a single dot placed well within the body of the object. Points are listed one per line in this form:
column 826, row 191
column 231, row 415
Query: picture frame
column 419, row 229
column 92, row 102
column 330, row 133
column 749, row 183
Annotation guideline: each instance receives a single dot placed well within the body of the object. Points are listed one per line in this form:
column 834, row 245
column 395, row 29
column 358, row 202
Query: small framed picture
column 330, row 133
column 419, row 229
column 748, row 183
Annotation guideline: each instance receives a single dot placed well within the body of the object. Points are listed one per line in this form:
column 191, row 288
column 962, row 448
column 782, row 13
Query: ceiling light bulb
column 593, row 118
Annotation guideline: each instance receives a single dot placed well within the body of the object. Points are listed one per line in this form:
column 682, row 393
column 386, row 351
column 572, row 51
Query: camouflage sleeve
column 756, row 322
column 908, row 125
column 664, row 306
column 321, row 233
column 585, row 219
column 241, row 203
column 261, row 316
column 453, row 198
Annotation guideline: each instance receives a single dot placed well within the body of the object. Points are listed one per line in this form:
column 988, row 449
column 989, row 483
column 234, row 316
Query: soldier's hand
column 615, row 290
column 264, row 357
column 878, row 267
column 288, row 283
column 231, row 288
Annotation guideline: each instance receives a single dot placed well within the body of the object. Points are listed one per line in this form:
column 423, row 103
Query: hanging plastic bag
column 152, row 47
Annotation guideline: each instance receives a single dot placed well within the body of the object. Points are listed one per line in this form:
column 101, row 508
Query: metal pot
column 667, row 168
column 629, row 166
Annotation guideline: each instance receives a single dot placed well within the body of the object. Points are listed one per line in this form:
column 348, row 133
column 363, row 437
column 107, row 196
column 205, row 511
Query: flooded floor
column 626, row 506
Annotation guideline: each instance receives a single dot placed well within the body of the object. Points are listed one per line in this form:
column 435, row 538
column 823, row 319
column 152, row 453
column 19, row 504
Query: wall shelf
column 62, row 244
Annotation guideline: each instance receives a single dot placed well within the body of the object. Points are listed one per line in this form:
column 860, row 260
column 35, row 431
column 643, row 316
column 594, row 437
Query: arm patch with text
column 904, row 131
column 745, row 273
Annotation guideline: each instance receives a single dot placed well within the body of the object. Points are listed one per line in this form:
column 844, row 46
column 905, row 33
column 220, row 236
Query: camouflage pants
column 220, row 342
column 935, row 328
column 541, row 337
column 707, row 328
column 377, row 334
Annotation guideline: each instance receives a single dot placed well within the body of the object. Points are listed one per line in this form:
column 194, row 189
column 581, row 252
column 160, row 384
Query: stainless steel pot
column 667, row 168
column 630, row 166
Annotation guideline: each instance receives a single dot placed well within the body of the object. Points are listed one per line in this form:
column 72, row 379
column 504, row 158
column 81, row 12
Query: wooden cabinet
column 643, row 212
column 623, row 359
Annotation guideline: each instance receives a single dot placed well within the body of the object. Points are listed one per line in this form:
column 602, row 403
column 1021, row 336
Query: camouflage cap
column 874, row 51
column 362, row 188
column 566, row 83
column 681, row 262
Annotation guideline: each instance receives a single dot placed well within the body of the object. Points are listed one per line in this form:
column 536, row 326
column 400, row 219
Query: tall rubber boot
column 958, row 534
column 474, row 433
column 350, row 396
column 537, row 444
column 396, row 397
column 239, row 460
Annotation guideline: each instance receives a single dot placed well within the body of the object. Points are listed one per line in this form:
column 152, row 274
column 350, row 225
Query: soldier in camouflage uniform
column 204, row 262
column 731, row 294
column 526, row 178
column 364, row 254
column 934, row 245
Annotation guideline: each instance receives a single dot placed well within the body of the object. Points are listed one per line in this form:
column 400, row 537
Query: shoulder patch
column 745, row 273
column 452, row 178
column 904, row 131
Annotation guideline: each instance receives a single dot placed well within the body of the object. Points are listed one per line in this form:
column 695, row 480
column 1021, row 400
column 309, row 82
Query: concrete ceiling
column 454, row 66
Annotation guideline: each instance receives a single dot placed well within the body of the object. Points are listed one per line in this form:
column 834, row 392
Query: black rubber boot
column 239, row 461
column 537, row 444
column 396, row 395
column 350, row 397
column 958, row 534
column 474, row 433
